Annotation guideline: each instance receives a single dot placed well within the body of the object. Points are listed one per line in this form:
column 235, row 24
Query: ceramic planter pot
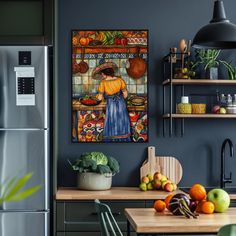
column 94, row 181
column 212, row 73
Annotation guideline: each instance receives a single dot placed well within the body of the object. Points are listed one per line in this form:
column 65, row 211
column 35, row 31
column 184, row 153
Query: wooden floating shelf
column 207, row 116
column 200, row 81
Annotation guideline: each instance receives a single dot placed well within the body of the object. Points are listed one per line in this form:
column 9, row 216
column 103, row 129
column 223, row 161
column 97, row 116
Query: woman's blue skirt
column 117, row 122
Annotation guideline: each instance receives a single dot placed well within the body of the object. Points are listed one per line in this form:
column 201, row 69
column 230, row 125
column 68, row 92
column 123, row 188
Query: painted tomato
column 117, row 41
column 124, row 41
column 84, row 41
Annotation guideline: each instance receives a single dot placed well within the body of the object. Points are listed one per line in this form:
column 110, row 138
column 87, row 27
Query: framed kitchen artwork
column 109, row 86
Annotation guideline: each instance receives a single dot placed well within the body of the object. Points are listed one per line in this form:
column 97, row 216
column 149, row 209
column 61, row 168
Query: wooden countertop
column 147, row 220
column 232, row 196
column 115, row 193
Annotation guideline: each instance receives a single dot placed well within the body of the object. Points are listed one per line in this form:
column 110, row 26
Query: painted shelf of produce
column 199, row 82
column 201, row 116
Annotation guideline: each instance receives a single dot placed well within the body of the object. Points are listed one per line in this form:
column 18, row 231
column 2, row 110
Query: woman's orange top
column 111, row 87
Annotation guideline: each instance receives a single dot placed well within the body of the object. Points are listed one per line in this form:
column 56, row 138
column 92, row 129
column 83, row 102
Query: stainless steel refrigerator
column 24, row 136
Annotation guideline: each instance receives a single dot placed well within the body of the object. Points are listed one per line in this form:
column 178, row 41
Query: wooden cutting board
column 167, row 165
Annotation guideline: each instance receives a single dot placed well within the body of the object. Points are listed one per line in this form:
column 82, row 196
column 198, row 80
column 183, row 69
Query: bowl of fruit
column 89, row 100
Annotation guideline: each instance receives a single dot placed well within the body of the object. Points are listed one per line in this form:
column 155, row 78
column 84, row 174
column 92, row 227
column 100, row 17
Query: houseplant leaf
column 24, row 194
column 19, row 184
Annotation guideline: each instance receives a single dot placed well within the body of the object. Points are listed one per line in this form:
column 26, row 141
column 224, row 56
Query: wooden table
column 148, row 221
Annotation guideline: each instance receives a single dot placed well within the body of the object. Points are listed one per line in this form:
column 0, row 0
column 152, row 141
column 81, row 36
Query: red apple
column 156, row 184
column 145, row 180
column 169, row 187
column 216, row 109
column 157, row 176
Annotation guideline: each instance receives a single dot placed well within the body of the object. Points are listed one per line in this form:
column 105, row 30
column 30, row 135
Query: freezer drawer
column 24, row 224
column 26, row 88
column 21, row 152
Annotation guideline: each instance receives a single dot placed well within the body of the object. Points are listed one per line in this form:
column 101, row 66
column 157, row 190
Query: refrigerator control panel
column 25, row 86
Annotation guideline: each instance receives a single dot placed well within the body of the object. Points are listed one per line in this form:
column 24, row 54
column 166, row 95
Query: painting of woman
column 113, row 89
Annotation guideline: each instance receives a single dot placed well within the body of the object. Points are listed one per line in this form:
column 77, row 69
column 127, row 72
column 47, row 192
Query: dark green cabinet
column 80, row 217
column 26, row 22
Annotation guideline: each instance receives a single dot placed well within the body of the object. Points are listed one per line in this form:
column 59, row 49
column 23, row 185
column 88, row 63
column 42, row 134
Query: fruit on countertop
column 167, row 199
column 143, row 186
column 216, row 200
column 145, row 180
column 159, row 205
column 197, row 192
column 207, row 207
column 157, row 181
column 220, row 199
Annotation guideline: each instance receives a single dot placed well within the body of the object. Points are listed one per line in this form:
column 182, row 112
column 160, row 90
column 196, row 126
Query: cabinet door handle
column 113, row 213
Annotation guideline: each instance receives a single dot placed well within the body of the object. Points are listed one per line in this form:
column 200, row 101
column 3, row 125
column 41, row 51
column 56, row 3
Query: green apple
column 163, row 178
column 150, row 176
column 143, row 187
column 149, row 186
column 219, row 198
column 222, row 110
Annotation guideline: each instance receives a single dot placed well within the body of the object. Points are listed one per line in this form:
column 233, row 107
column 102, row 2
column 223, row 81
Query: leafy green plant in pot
column 95, row 170
column 208, row 59
column 231, row 70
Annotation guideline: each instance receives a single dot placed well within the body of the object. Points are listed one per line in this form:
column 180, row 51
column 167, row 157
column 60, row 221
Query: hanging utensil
column 136, row 67
column 189, row 46
column 183, row 49
column 173, row 52
column 83, row 66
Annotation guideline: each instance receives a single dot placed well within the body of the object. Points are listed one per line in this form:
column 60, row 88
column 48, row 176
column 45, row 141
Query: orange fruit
column 159, row 205
column 207, row 207
column 75, row 41
column 199, row 206
column 167, row 200
column 197, row 192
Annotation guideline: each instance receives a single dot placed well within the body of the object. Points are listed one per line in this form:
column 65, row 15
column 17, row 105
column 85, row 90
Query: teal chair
column 107, row 222
column 227, row 230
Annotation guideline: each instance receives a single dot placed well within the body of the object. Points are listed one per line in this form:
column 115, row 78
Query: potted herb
column 95, row 171
column 208, row 59
column 231, row 70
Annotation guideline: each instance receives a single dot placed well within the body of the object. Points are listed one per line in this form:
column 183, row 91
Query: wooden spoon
column 83, row 66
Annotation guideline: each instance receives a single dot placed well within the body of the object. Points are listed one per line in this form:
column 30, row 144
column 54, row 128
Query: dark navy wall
column 168, row 21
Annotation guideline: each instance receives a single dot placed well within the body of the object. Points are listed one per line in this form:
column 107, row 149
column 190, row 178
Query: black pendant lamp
column 220, row 33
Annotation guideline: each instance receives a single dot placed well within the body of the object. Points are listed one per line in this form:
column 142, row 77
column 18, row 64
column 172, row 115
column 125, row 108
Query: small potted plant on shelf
column 208, row 59
column 95, row 171
column 231, row 70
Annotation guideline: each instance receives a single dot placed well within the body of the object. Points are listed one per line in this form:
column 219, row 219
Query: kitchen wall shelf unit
column 170, row 84
column 25, row 22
